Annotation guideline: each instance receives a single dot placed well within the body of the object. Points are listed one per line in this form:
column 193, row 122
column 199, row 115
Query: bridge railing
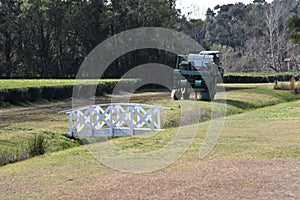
column 114, row 119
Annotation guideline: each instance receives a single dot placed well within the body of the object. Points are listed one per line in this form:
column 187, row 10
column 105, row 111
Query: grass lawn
column 262, row 139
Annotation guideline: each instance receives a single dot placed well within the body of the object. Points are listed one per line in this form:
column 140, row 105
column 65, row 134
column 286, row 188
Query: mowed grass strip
column 265, row 134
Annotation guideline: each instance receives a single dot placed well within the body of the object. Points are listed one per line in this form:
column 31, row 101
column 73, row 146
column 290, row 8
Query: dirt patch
column 207, row 180
column 184, row 180
column 203, row 180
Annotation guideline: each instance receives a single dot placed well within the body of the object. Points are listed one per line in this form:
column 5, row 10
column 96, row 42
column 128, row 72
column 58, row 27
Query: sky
column 199, row 7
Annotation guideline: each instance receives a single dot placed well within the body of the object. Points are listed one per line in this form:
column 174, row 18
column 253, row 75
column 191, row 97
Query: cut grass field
column 257, row 157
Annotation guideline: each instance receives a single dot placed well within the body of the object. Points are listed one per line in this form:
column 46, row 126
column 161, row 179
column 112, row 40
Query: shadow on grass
column 236, row 103
column 229, row 88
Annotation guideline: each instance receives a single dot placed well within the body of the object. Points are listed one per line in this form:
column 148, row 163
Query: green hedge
column 257, row 79
column 19, row 95
column 32, row 94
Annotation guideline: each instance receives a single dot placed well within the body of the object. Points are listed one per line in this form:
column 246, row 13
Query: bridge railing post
column 91, row 120
column 158, row 119
column 71, row 123
column 131, row 118
column 152, row 119
column 111, row 126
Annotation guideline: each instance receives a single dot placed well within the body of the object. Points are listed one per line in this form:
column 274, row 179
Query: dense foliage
column 255, row 37
column 50, row 38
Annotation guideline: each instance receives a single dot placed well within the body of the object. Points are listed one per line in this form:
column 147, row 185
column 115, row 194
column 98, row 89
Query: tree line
column 257, row 37
column 51, row 38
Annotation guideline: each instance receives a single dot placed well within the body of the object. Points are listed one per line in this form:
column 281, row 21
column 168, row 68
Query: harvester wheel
column 177, row 95
column 205, row 96
column 186, row 95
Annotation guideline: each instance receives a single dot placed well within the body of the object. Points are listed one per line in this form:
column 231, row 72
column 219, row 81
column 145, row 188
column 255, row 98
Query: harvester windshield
column 200, row 61
column 215, row 54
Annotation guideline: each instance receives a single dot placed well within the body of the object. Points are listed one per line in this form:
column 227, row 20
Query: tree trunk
column 7, row 47
column 60, row 59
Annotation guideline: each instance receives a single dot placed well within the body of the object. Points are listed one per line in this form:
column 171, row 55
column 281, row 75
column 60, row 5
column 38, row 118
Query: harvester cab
column 197, row 73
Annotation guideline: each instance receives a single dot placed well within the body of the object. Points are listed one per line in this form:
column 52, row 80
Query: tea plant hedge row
column 32, row 94
column 258, row 78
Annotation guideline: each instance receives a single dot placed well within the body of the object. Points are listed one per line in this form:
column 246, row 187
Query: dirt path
column 184, row 180
column 203, row 180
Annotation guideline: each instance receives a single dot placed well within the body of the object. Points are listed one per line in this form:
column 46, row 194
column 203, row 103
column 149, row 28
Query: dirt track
column 201, row 180
column 184, row 180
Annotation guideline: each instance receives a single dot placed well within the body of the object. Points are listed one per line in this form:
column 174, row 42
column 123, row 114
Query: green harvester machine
column 197, row 73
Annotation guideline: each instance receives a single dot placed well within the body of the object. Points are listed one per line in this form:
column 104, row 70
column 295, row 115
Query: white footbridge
column 115, row 119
